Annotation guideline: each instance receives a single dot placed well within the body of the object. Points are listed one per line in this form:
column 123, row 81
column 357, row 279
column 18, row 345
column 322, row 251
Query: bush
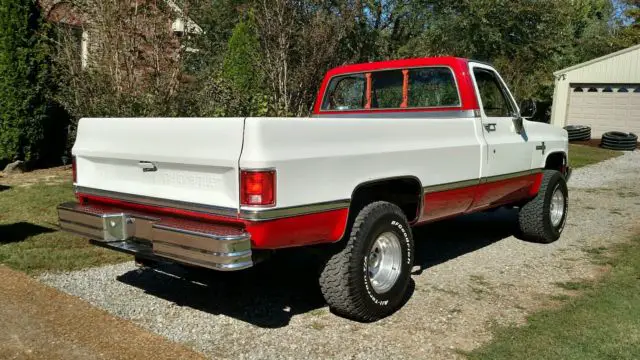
column 32, row 128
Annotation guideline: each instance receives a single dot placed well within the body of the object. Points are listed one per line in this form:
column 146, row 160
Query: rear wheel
column 368, row 279
column 542, row 219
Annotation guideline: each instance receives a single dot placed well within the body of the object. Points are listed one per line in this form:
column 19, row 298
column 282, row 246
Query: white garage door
column 605, row 108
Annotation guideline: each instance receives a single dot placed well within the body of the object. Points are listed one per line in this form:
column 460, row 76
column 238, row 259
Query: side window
column 386, row 89
column 494, row 100
column 345, row 93
column 432, row 87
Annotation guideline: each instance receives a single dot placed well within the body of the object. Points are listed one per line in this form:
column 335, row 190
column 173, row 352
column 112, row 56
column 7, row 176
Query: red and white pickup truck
column 391, row 145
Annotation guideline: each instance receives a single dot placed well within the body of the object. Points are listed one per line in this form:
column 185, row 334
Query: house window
column 578, row 89
column 77, row 39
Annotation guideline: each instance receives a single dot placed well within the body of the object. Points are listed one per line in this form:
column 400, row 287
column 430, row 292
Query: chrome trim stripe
column 402, row 113
column 242, row 237
column 147, row 200
column 258, row 215
column 450, row 186
column 509, row 176
column 473, row 182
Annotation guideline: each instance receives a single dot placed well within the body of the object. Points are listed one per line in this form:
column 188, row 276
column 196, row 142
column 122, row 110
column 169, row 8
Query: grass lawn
column 602, row 323
column 581, row 155
column 29, row 239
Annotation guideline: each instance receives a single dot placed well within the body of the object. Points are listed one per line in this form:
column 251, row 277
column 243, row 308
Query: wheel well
column 556, row 161
column 405, row 192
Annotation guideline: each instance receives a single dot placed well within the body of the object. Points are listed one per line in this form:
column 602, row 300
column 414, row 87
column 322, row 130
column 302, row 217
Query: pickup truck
column 391, row 145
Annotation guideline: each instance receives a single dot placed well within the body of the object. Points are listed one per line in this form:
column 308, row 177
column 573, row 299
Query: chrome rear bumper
column 214, row 246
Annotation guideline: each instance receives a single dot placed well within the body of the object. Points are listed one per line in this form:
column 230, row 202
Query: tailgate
column 192, row 160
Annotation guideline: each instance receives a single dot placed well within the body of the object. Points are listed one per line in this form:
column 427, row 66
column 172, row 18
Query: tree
column 241, row 68
column 630, row 34
column 25, row 83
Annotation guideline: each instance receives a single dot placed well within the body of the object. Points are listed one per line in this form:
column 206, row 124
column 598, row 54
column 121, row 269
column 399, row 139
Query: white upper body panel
column 324, row 159
column 319, row 159
column 196, row 159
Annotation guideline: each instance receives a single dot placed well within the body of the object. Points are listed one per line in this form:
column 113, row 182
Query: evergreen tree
column 24, row 81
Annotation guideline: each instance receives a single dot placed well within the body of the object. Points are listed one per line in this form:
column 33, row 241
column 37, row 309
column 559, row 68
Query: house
column 603, row 93
column 66, row 14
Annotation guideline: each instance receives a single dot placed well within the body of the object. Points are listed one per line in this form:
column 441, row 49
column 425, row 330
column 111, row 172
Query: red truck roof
column 459, row 66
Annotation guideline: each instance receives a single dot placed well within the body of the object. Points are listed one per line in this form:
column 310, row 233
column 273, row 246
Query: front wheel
column 368, row 279
column 542, row 219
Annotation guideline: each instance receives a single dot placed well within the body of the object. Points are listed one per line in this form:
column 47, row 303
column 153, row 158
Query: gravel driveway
column 471, row 273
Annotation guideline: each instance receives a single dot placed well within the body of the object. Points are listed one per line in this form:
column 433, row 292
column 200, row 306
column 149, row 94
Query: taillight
column 258, row 187
column 74, row 169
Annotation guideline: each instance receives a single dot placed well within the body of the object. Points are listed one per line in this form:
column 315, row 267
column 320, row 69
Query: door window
column 495, row 102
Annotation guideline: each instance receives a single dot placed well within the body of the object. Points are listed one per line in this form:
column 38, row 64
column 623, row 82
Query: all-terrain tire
column 534, row 219
column 344, row 280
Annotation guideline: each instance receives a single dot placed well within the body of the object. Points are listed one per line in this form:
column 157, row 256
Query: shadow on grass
column 271, row 293
column 4, row 187
column 11, row 233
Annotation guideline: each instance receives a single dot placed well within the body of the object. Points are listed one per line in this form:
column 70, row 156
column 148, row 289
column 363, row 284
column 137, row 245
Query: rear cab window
column 412, row 88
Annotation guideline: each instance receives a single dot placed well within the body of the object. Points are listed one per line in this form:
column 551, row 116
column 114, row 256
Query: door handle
column 490, row 127
column 147, row 166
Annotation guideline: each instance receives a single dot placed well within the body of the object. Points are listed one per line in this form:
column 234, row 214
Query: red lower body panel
column 329, row 226
column 443, row 204
column 505, row 192
column 449, row 203
column 323, row 227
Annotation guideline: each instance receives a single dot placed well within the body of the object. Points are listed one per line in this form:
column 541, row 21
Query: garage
column 603, row 93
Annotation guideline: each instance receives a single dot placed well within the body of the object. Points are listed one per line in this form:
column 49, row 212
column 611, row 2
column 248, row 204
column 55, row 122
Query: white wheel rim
column 557, row 207
column 384, row 262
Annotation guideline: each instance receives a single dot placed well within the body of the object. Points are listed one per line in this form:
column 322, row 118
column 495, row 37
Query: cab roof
column 449, row 61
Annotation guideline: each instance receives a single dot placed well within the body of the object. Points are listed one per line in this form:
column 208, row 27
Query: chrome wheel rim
column 557, row 207
column 384, row 262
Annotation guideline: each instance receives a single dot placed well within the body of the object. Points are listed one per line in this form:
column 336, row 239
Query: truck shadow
column 271, row 293
column 12, row 233
column 446, row 240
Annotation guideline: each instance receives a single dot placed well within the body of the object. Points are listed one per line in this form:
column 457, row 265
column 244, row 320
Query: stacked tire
column 615, row 140
column 578, row 132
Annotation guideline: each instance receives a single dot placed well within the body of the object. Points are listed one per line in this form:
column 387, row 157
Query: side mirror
column 528, row 108
column 518, row 122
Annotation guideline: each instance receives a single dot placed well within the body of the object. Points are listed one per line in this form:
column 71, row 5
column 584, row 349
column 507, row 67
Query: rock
column 14, row 168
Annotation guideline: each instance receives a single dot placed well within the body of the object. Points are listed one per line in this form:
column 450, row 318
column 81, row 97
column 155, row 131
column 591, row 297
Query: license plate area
column 118, row 227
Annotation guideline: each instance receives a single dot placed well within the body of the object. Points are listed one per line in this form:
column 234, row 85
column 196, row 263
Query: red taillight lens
column 74, row 169
column 258, row 188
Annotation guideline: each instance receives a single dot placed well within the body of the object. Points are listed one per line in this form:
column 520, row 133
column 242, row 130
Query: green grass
column 603, row 322
column 581, row 155
column 29, row 239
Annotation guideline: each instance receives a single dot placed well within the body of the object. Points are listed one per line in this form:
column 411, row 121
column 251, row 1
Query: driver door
column 507, row 151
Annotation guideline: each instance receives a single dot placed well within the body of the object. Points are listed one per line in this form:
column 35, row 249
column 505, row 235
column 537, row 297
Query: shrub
column 27, row 116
